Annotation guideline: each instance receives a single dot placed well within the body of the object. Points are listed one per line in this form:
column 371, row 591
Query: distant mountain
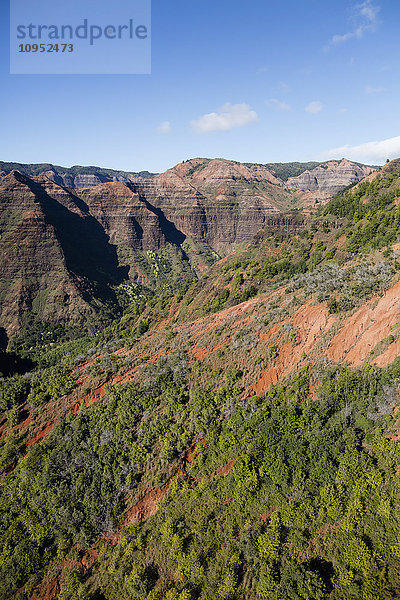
column 286, row 170
column 80, row 176
column 68, row 241
column 76, row 176
column 331, row 177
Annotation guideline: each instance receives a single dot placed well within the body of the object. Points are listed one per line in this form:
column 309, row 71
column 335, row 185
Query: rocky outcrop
column 67, row 180
column 86, row 179
column 219, row 202
column 331, row 177
column 127, row 217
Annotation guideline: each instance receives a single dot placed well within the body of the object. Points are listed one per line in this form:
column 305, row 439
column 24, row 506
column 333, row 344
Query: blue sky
column 257, row 82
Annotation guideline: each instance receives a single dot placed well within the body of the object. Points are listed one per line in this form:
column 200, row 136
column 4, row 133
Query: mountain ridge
column 153, row 232
column 67, row 175
column 75, row 176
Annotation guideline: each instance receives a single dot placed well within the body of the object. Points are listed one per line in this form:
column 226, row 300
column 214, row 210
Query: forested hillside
column 233, row 436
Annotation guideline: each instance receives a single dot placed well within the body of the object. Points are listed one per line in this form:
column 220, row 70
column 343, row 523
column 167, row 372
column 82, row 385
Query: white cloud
column 369, row 89
column 262, row 70
column 370, row 152
column 314, row 107
column 340, row 39
column 273, row 102
column 164, row 127
column 225, row 118
column 365, row 18
column 369, row 11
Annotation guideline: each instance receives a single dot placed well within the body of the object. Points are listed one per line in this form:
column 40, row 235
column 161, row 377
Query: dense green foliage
column 305, row 507
column 290, row 495
column 371, row 211
column 29, row 341
column 291, row 169
column 308, row 510
column 45, row 385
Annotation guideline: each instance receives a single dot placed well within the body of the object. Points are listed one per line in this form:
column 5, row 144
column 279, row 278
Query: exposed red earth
column 363, row 335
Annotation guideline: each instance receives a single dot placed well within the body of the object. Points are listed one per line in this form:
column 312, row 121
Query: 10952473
column 46, row 48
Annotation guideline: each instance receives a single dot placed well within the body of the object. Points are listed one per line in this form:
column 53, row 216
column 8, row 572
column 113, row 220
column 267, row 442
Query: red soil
column 310, row 321
column 146, row 507
column 267, row 514
column 39, row 435
column 368, row 326
column 353, row 341
column 226, row 469
column 193, row 451
column 47, row 590
column 200, row 353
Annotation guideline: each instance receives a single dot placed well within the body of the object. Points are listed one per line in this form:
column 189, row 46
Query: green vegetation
column 178, row 484
column 198, row 167
column 371, row 211
column 285, row 498
column 291, row 169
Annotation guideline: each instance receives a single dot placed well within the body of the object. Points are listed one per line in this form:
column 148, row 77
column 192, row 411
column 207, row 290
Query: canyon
column 258, row 324
column 69, row 237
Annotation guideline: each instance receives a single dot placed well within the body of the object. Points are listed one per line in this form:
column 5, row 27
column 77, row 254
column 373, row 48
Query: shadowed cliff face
column 62, row 247
column 128, row 217
column 84, row 243
column 217, row 201
column 34, row 276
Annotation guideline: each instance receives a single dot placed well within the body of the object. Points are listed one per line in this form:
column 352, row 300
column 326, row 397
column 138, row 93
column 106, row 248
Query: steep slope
column 34, row 275
column 147, row 243
column 308, row 299
column 62, row 249
column 225, row 203
column 128, row 218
